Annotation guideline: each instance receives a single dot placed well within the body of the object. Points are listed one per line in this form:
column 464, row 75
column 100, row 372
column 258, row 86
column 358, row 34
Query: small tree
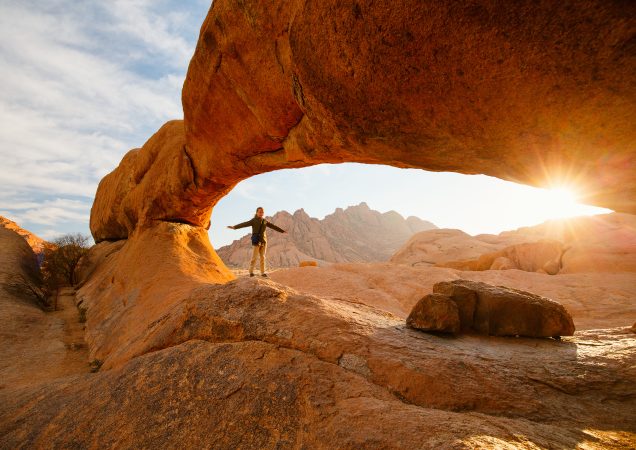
column 60, row 261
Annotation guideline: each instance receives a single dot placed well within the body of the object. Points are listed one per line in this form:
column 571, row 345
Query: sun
column 557, row 203
column 563, row 196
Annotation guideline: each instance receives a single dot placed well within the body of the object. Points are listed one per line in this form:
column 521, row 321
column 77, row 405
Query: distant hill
column 602, row 243
column 36, row 243
column 354, row 234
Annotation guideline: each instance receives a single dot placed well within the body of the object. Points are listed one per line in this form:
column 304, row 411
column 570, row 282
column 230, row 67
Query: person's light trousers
column 258, row 250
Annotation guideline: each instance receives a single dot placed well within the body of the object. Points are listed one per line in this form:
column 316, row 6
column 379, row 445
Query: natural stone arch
column 527, row 91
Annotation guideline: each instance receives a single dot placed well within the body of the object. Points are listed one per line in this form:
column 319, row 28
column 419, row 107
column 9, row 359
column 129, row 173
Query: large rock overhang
column 540, row 93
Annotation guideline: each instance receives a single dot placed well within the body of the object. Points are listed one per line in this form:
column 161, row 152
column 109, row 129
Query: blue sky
column 84, row 82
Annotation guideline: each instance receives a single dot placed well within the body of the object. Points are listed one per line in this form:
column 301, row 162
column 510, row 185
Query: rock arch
column 533, row 92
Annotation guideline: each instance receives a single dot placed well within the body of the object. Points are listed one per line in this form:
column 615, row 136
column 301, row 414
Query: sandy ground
column 37, row 346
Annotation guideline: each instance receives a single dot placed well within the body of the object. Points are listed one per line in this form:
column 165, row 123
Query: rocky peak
column 355, row 234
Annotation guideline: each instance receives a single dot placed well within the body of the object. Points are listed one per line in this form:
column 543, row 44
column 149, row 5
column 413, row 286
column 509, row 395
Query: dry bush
column 60, row 261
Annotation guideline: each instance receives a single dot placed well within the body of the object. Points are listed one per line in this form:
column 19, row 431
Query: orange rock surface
column 257, row 395
column 243, row 359
column 542, row 256
column 252, row 363
column 531, row 92
column 502, row 311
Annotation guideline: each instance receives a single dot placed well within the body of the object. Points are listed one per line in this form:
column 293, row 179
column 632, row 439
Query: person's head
column 260, row 212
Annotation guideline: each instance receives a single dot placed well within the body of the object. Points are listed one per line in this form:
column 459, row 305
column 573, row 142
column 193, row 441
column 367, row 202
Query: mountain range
column 355, row 234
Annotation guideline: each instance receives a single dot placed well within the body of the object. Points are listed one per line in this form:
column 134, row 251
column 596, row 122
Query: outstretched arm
column 274, row 227
column 241, row 225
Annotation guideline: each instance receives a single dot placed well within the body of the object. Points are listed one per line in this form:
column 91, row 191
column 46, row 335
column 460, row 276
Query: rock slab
column 470, row 306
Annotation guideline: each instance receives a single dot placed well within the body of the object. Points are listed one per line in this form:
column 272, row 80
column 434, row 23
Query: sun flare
column 563, row 196
column 558, row 203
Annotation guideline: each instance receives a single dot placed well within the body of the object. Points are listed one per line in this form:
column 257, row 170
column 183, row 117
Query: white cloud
column 50, row 212
column 82, row 83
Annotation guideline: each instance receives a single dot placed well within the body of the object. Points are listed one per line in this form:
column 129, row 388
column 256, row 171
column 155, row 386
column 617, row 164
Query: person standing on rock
column 259, row 238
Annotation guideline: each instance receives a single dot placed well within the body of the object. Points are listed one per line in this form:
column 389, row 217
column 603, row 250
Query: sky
column 83, row 82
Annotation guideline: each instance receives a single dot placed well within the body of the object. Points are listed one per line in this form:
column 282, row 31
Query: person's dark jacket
column 259, row 225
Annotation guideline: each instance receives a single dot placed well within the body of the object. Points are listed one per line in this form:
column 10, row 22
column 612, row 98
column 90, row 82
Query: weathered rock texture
column 243, row 362
column 19, row 273
column 435, row 312
column 255, row 364
column 490, row 310
column 257, row 395
column 428, row 248
column 603, row 243
column 354, row 234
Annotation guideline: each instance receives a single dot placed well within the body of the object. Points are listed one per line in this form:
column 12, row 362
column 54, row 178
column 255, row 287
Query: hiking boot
column 265, row 275
column 251, row 274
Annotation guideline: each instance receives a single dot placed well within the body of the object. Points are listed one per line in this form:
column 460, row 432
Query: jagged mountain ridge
column 355, row 234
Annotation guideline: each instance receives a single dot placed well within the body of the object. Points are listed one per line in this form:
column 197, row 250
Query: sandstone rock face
column 187, row 358
column 603, row 243
column 435, row 312
column 354, row 234
column 145, row 275
column 258, row 395
column 19, row 272
column 500, row 263
column 501, row 311
column 94, row 258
